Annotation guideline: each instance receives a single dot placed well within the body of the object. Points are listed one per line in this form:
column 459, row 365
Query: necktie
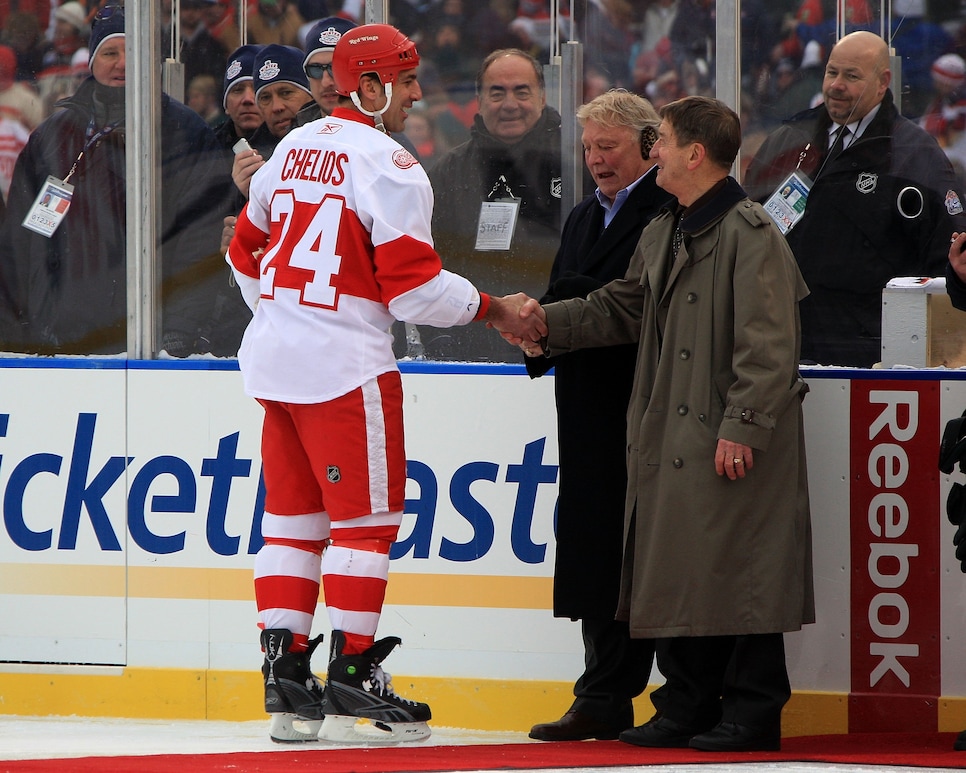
column 842, row 135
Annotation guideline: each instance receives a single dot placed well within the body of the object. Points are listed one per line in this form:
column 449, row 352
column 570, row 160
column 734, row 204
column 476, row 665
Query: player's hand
column 517, row 322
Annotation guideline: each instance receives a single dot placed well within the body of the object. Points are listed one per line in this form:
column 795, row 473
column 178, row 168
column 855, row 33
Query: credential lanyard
column 92, row 139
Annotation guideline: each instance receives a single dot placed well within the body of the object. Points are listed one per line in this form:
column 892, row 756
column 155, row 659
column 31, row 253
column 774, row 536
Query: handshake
column 521, row 321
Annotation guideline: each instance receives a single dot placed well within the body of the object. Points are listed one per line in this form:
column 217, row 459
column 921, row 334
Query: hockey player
column 332, row 247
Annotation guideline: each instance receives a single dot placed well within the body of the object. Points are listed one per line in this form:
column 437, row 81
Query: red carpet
column 908, row 750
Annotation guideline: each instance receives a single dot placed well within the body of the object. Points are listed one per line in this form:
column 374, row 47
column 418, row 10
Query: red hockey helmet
column 371, row 48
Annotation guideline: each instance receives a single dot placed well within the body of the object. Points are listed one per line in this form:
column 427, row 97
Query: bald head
column 856, row 77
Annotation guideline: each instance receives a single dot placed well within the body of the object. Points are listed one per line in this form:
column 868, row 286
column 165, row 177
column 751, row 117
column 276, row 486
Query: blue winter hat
column 108, row 23
column 241, row 67
column 277, row 64
column 324, row 34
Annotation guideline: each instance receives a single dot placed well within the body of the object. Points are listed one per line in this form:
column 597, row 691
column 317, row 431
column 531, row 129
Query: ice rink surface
column 65, row 737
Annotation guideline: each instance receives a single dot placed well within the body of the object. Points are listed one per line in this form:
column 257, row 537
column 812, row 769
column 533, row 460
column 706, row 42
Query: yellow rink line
column 451, row 590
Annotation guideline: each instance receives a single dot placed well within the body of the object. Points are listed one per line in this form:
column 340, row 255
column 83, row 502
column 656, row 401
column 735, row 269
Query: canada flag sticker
column 404, row 159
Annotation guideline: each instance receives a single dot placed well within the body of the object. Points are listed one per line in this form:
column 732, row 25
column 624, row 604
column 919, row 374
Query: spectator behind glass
column 71, row 31
column 202, row 97
column 17, row 100
column 918, row 42
column 222, row 24
column 281, row 90
column 945, row 115
column 592, row 390
column 24, row 35
column 513, row 157
column 230, row 314
column 274, row 21
column 602, row 27
column 319, row 44
column 881, row 208
column 17, row 103
column 65, row 293
column 421, row 132
column 200, row 53
column 238, row 98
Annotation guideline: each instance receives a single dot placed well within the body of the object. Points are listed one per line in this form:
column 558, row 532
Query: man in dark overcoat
column 592, row 388
column 717, row 546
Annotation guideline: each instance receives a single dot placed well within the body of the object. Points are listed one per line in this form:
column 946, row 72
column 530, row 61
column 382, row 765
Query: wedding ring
column 738, row 461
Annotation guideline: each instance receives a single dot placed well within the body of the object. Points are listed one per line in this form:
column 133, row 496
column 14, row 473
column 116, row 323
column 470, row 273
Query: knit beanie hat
column 277, row 64
column 108, row 23
column 324, row 34
column 949, row 70
column 74, row 14
column 241, row 66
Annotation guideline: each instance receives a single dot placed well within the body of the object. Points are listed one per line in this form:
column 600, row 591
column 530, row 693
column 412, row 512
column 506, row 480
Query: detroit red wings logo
column 404, row 159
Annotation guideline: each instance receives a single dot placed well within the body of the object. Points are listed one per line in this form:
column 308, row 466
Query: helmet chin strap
column 376, row 115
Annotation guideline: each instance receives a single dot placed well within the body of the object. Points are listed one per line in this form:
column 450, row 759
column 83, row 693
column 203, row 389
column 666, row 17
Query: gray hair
column 621, row 108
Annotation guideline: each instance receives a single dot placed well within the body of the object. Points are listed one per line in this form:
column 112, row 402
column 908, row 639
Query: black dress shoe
column 661, row 732
column 959, row 744
column 729, row 737
column 575, row 726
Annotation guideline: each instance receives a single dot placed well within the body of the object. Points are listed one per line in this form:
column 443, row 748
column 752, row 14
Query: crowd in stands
column 661, row 49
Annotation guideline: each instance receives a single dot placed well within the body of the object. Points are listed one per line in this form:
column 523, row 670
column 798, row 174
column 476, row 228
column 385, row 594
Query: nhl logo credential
column 866, row 182
column 333, row 474
column 556, row 187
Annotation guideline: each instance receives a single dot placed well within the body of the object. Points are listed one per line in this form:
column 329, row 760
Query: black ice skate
column 360, row 705
column 293, row 694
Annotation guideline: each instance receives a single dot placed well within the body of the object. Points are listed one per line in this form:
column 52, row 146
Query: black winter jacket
column 853, row 238
column 67, row 294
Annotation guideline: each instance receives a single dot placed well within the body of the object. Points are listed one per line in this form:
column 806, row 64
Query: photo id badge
column 787, row 204
column 498, row 221
column 50, row 207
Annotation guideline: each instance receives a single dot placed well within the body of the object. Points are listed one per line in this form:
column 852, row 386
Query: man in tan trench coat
column 717, row 551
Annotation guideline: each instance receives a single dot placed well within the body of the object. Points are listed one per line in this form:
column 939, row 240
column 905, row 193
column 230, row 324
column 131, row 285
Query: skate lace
column 382, row 681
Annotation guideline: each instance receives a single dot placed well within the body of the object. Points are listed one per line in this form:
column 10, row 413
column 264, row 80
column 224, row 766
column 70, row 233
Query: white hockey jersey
column 333, row 245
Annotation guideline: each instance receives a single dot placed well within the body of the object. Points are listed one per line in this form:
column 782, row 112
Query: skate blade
column 290, row 728
column 345, row 729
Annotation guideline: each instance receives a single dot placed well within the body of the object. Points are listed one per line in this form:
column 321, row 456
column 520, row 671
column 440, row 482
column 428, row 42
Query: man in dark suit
column 592, row 389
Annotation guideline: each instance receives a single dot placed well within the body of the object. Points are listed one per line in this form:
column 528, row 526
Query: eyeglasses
column 318, row 70
column 107, row 11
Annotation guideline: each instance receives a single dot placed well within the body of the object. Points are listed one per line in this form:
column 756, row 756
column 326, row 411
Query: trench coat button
column 702, row 417
column 682, row 410
column 685, row 354
column 692, row 297
column 678, row 463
